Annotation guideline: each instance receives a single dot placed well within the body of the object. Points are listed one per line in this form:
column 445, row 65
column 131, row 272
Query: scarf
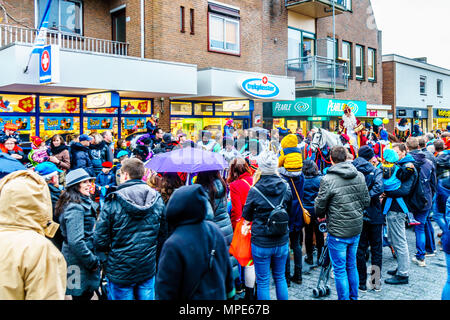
column 58, row 150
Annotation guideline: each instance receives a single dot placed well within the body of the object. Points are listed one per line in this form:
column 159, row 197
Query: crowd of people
column 120, row 231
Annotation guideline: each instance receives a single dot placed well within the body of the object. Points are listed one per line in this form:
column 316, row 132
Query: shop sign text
column 260, row 88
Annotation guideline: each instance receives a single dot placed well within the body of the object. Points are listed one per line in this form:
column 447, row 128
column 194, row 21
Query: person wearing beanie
column 290, row 156
column 228, row 129
column 105, row 181
column 266, row 248
column 9, row 131
column 373, row 219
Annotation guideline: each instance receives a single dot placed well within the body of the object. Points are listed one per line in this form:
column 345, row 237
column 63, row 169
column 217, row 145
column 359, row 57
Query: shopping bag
column 240, row 246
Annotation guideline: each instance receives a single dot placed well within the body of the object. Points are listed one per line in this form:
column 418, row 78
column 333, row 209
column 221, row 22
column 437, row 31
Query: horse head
column 317, row 141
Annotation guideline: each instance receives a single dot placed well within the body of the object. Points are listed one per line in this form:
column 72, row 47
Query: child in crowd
column 9, row 131
column 104, row 181
column 121, row 156
column 393, row 176
column 290, row 155
column 39, row 152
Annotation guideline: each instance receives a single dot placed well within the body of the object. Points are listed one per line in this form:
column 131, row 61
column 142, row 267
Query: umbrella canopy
column 190, row 160
column 9, row 164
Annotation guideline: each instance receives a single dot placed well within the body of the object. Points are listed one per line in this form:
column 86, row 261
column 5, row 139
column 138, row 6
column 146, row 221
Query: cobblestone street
column 425, row 283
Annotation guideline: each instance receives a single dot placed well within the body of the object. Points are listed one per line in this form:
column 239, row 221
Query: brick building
column 185, row 60
column 322, row 87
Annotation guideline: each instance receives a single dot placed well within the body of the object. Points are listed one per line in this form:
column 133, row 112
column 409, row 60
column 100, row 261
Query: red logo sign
column 45, row 61
column 264, row 80
column 26, row 104
column 143, row 106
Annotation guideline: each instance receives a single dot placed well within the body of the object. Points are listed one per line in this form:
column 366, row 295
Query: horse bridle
column 320, row 140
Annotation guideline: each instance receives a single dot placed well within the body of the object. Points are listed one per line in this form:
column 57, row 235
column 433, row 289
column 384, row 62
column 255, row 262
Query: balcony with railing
column 317, row 74
column 316, row 8
column 10, row 34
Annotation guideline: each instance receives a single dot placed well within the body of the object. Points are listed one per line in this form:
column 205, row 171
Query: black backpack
column 278, row 221
column 418, row 200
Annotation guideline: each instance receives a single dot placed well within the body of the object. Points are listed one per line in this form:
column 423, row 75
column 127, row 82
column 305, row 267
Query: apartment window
column 181, row 19
column 223, row 29
column 348, row 5
column 371, row 64
column 423, row 85
column 347, row 55
column 192, row 20
column 359, row 62
column 65, row 15
column 332, row 48
column 300, row 43
column 439, row 87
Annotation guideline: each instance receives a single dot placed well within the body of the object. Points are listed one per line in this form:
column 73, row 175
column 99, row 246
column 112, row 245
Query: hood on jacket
column 78, row 146
column 363, row 166
column 136, row 197
column 346, row 170
column 26, row 203
column 406, row 159
column 272, row 185
column 187, row 205
column 290, row 141
column 419, row 156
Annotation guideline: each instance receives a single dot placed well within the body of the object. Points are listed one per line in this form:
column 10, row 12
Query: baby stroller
column 322, row 289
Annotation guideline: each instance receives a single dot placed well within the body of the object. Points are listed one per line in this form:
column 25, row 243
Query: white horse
column 323, row 137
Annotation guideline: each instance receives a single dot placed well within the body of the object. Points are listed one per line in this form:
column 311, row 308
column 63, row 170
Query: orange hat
column 11, row 126
column 36, row 141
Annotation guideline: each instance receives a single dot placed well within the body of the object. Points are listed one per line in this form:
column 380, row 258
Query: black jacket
column 80, row 158
column 188, row 268
column 128, row 230
column 426, row 168
column 374, row 182
column 342, row 197
column 257, row 209
column 310, row 191
column 55, row 193
column 100, row 153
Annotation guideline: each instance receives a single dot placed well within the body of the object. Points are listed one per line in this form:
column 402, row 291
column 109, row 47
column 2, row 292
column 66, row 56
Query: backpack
column 418, row 201
column 278, row 221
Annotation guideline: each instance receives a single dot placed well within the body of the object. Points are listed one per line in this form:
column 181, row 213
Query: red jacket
column 238, row 193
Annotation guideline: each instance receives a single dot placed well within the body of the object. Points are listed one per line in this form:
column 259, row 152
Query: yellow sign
column 443, row 113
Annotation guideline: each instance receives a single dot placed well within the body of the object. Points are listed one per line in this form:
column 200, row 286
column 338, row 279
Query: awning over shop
column 84, row 73
column 224, row 84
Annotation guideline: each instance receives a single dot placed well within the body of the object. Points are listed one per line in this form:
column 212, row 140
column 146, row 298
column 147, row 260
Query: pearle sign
column 260, row 87
column 299, row 107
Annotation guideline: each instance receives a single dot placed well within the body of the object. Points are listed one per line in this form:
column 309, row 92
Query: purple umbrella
column 190, row 160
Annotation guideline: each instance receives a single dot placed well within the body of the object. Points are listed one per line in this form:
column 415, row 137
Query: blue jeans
column 420, row 234
column 430, row 244
column 343, row 257
column 138, row 291
column 446, row 290
column 264, row 258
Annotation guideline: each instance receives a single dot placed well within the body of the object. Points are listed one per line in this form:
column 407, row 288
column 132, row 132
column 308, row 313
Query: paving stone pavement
column 425, row 283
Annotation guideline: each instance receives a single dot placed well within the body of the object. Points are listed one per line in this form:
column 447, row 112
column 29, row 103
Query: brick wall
column 357, row 27
column 389, row 88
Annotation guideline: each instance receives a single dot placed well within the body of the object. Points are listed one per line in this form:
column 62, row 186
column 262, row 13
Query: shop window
column 347, row 55
column 26, row 124
column 65, row 15
column 59, row 104
column 278, row 123
column 439, row 87
column 130, row 125
column 423, row 85
column 100, row 124
column 219, row 110
column 203, row 109
column 371, row 64
column 101, row 110
column 136, row 106
column 359, row 62
column 49, row 126
column 241, row 114
column 17, row 103
column 292, row 125
column 223, row 29
column 190, row 126
column 181, row 108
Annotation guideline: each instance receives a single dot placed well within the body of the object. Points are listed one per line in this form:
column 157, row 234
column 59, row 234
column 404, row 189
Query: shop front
column 441, row 118
column 413, row 114
column 307, row 113
column 226, row 94
column 377, row 111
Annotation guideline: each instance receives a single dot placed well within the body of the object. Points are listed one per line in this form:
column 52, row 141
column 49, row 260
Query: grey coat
column 77, row 227
column 342, row 197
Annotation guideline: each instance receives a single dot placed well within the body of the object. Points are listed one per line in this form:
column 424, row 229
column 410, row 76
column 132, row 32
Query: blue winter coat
column 100, row 153
column 105, row 180
column 446, row 235
column 80, row 158
column 310, row 191
column 427, row 168
column 296, row 214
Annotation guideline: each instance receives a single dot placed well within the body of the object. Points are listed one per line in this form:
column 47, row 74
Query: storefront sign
column 26, row 104
column 22, row 122
column 51, row 123
column 131, row 123
column 100, row 123
column 331, row 107
column 300, row 107
column 103, row 100
column 259, row 88
column 442, row 113
column 318, row 119
column 377, row 113
column 49, row 70
column 236, row 106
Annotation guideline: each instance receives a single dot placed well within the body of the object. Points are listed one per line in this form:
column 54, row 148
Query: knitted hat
column 36, row 141
column 366, row 152
column 11, row 126
column 267, row 162
column 384, row 135
column 229, row 122
column 47, row 169
column 121, row 154
column 390, row 155
column 107, row 164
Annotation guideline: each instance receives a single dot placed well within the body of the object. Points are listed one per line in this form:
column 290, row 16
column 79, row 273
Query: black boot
column 397, row 280
column 288, row 279
column 250, row 294
column 309, row 259
column 297, row 277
